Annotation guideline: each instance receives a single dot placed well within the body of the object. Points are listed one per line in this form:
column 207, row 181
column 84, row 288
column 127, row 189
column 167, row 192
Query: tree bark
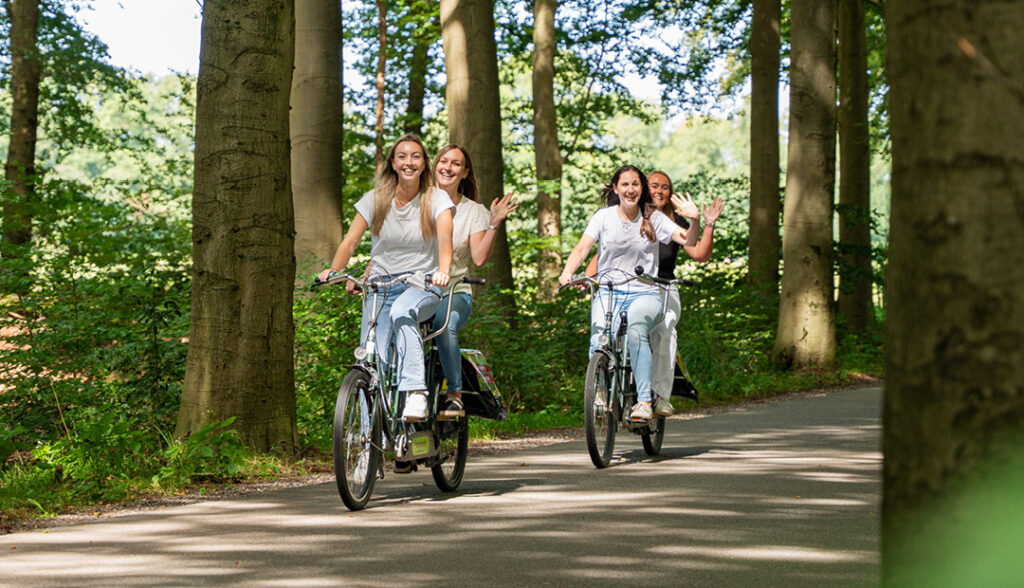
column 20, row 167
column 425, row 35
column 382, row 45
column 954, row 333
column 241, row 340
column 474, row 111
column 806, row 333
column 765, row 204
column 854, row 250
column 316, row 127
column 547, row 157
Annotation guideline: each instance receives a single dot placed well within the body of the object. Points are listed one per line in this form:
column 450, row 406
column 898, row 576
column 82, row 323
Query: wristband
column 492, row 227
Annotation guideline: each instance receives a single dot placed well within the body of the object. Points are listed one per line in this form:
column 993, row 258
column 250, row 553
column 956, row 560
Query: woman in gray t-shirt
column 628, row 233
column 411, row 226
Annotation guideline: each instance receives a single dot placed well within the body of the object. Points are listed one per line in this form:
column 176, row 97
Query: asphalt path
column 784, row 493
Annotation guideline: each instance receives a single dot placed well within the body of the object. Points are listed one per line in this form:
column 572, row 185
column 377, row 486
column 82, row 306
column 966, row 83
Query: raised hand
column 501, row 208
column 712, row 213
column 684, row 205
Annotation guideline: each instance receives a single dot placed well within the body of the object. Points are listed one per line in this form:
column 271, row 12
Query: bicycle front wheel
column 453, row 452
column 598, row 412
column 654, row 436
column 356, row 441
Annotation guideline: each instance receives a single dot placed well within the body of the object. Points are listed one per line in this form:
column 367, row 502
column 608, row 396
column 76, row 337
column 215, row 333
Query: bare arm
column 444, row 248
column 576, row 256
column 701, row 251
column 481, row 244
column 347, row 247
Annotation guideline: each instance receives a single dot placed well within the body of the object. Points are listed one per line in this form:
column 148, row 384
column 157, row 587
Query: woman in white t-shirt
column 628, row 233
column 411, row 226
column 473, row 235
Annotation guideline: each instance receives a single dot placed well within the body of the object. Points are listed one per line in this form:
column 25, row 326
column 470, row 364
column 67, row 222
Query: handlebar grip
column 478, row 281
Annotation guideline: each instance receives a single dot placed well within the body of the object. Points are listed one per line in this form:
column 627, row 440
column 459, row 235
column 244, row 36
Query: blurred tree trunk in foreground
column 954, row 340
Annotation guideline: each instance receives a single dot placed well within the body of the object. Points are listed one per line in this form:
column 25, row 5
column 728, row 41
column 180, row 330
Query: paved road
column 779, row 494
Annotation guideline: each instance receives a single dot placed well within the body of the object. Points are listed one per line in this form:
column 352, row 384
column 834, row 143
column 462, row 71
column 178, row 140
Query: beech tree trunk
column 426, row 33
column 954, row 333
column 382, row 45
column 20, row 167
column 765, row 203
column 807, row 331
column 241, row 338
column 474, row 111
column 316, row 127
column 854, row 249
column 547, row 157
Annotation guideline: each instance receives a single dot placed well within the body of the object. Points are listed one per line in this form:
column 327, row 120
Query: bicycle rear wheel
column 356, row 441
column 454, row 442
column 654, row 437
column 598, row 412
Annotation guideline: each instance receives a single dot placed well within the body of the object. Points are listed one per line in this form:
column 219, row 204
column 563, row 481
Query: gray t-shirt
column 470, row 218
column 622, row 247
column 400, row 246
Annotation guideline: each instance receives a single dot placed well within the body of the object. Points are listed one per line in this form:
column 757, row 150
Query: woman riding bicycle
column 411, row 228
column 473, row 233
column 628, row 231
column 663, row 337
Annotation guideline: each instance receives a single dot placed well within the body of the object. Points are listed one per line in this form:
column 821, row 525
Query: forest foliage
column 92, row 358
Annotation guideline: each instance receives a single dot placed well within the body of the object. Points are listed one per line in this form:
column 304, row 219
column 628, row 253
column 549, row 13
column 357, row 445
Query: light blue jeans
column 643, row 311
column 403, row 309
column 448, row 341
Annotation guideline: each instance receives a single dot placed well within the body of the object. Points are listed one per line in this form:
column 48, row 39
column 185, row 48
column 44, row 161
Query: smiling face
column 661, row 189
column 408, row 161
column 451, row 169
column 629, row 188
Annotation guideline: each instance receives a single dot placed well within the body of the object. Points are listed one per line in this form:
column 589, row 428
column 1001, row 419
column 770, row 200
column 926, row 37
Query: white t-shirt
column 470, row 218
column 622, row 247
column 400, row 247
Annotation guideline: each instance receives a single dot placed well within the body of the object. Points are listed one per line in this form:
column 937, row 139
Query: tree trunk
column 423, row 38
column 854, row 170
column 546, row 149
column 316, row 126
column 807, row 331
column 474, row 111
column 954, row 333
column 764, row 241
column 20, row 168
column 241, row 339
column 382, row 45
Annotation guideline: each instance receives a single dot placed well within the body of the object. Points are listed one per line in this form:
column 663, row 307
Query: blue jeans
column 402, row 310
column 448, row 341
column 643, row 310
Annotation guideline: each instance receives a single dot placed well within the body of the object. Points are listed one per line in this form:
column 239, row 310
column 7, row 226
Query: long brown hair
column 467, row 185
column 646, row 203
column 387, row 184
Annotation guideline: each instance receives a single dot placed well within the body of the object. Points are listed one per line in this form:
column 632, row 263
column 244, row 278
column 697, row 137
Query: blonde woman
column 411, row 226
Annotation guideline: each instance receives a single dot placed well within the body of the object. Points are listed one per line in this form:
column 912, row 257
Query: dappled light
column 787, row 505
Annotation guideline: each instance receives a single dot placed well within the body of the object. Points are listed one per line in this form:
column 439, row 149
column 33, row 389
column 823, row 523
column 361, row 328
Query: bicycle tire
column 448, row 473
column 653, row 440
column 356, row 441
column 599, row 417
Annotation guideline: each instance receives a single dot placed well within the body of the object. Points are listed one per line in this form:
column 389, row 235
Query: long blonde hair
column 387, row 184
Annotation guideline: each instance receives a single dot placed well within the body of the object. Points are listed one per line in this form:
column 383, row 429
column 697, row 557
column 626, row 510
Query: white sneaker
column 641, row 412
column 663, row 407
column 415, row 406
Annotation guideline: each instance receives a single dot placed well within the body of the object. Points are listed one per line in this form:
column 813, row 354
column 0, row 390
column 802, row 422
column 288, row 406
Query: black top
column 667, row 253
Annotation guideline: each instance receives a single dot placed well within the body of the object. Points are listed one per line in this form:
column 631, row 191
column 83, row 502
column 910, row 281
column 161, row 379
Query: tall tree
column 316, row 127
column 241, row 337
column 425, row 16
column 382, row 52
column 547, row 156
column 854, row 209
column 954, row 333
column 764, row 241
column 474, row 109
column 20, row 167
column 806, row 333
